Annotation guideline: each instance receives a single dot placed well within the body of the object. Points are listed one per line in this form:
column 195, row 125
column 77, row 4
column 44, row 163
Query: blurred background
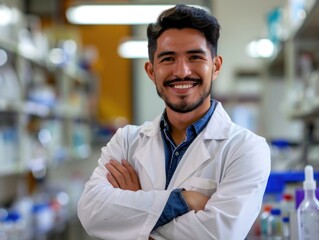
column 66, row 85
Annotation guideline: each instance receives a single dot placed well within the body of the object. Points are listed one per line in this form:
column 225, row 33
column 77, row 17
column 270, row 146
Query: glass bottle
column 308, row 210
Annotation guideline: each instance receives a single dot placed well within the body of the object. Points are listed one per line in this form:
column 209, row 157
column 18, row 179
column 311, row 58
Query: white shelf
column 58, row 116
column 309, row 28
column 10, row 169
column 305, row 114
column 69, row 70
column 285, row 66
column 305, row 36
column 9, row 106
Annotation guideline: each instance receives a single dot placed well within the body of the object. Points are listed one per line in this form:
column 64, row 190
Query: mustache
column 176, row 80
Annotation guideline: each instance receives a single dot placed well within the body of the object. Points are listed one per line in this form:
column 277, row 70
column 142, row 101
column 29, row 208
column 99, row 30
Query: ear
column 218, row 62
column 149, row 70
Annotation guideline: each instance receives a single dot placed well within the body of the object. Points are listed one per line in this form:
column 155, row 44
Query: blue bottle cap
column 275, row 211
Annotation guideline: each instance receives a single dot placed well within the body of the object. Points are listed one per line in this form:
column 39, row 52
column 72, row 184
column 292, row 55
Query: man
column 191, row 173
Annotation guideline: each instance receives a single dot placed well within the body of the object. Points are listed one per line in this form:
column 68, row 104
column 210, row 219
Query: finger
column 131, row 170
column 134, row 183
column 122, row 170
column 112, row 180
column 116, row 174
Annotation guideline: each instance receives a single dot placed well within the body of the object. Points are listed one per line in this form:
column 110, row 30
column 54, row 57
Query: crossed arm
column 107, row 211
column 123, row 176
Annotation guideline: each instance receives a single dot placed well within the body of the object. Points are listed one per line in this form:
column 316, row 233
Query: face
column 183, row 69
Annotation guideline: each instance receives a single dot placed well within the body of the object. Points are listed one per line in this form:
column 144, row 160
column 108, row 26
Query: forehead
column 181, row 39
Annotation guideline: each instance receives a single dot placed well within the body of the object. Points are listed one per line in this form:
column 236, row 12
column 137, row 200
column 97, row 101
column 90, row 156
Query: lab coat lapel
column 151, row 157
column 218, row 128
column 195, row 156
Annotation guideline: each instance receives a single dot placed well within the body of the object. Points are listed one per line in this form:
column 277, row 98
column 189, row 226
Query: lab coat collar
column 218, row 127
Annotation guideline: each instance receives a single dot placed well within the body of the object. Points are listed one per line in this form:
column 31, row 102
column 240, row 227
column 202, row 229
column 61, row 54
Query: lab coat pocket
column 203, row 185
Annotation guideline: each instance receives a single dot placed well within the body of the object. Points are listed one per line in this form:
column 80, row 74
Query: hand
column 122, row 175
column 195, row 200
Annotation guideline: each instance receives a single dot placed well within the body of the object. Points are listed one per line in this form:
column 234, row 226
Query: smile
column 183, row 86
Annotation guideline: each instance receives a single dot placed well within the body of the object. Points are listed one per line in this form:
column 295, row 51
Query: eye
column 195, row 57
column 167, row 59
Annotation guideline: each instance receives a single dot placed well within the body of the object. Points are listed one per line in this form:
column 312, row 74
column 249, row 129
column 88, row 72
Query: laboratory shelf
column 279, row 180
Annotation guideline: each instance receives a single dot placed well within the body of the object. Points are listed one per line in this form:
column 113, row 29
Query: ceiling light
column 261, row 48
column 116, row 14
column 6, row 15
column 133, row 49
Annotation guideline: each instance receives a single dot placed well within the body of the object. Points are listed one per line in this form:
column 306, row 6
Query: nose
column 182, row 68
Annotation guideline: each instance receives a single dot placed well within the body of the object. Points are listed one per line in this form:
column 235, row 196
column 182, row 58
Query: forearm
column 175, row 206
column 227, row 215
column 105, row 212
column 195, row 200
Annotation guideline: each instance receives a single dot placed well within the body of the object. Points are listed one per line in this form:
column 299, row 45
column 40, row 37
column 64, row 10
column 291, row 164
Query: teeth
column 184, row 86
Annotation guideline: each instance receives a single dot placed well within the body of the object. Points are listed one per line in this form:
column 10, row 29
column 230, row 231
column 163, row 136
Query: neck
column 180, row 121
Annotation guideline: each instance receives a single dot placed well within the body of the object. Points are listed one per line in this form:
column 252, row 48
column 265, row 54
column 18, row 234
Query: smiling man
column 183, row 72
column 191, row 173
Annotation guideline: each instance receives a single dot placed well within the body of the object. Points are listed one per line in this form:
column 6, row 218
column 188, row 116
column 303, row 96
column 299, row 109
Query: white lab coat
column 226, row 162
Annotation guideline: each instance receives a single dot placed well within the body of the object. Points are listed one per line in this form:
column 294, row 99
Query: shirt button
column 176, row 153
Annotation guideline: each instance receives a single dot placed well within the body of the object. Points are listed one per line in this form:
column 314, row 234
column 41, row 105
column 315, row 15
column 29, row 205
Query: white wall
column 147, row 104
column 277, row 122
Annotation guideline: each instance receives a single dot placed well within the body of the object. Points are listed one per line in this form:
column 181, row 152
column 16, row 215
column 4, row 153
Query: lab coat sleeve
column 111, row 213
column 233, row 208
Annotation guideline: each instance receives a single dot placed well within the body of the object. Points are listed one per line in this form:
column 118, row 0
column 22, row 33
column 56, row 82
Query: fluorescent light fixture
column 6, row 15
column 262, row 48
column 133, row 49
column 124, row 14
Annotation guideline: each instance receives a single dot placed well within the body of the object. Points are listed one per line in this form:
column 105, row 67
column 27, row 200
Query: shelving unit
column 47, row 120
column 303, row 39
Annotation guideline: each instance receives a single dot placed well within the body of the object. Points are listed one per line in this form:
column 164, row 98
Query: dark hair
column 182, row 16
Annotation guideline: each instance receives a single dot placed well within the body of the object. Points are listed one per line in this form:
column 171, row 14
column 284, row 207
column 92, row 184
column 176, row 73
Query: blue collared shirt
column 176, row 205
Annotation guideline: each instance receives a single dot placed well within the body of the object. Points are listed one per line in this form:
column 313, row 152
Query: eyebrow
column 167, row 53
column 197, row 51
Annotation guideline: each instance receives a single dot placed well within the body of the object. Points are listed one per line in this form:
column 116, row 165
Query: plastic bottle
column 287, row 204
column 308, row 210
column 13, row 225
column 275, row 224
column 264, row 221
column 285, row 228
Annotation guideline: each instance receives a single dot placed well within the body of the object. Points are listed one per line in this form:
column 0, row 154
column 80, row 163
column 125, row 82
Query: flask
column 308, row 210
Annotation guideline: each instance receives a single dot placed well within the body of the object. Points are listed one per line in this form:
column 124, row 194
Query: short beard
column 184, row 107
